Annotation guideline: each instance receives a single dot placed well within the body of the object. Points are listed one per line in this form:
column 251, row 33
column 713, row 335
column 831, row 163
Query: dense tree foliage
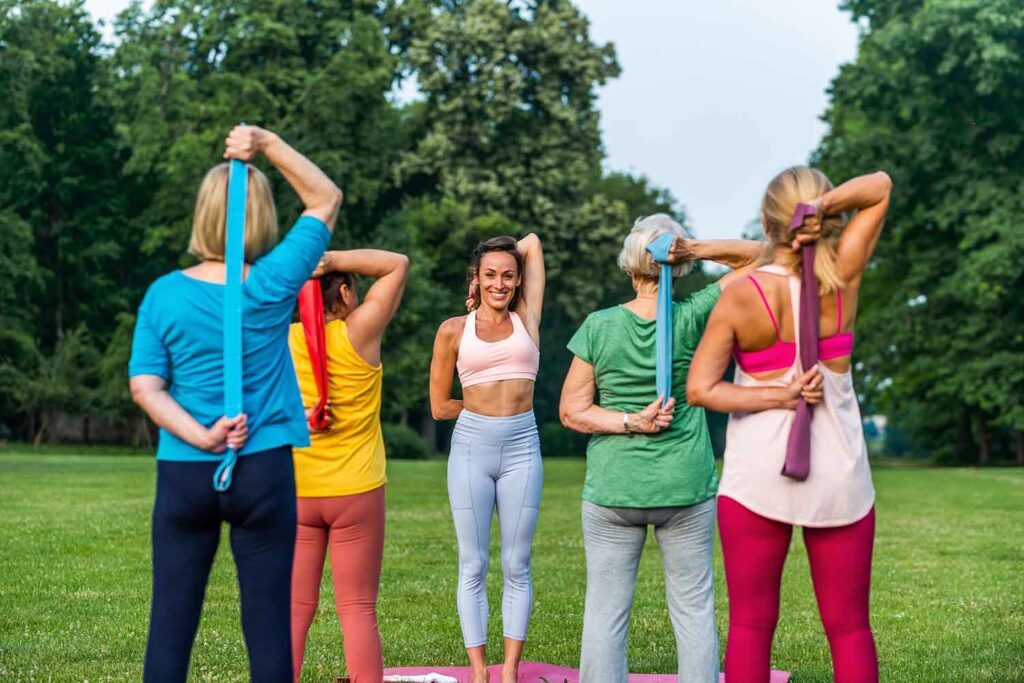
column 102, row 148
column 934, row 98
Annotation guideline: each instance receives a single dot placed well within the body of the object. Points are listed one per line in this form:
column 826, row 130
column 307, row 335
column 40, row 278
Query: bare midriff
column 499, row 399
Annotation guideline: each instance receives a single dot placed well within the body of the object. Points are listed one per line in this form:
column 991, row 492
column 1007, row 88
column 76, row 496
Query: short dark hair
column 503, row 243
column 329, row 284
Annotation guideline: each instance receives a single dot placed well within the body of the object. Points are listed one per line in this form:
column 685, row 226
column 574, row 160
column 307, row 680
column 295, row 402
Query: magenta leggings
column 754, row 549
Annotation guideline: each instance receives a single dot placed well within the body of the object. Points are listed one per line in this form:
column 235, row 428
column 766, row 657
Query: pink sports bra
column 514, row 357
column 782, row 354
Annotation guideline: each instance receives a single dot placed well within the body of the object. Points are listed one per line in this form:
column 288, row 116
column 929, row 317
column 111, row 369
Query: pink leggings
column 755, row 549
column 353, row 527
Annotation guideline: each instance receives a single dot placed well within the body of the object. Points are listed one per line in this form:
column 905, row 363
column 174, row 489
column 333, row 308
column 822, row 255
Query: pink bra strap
column 765, row 300
column 839, row 311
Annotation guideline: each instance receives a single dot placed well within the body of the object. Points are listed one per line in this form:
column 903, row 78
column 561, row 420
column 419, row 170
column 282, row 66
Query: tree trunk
column 44, row 424
column 984, row 451
column 1019, row 444
column 964, row 443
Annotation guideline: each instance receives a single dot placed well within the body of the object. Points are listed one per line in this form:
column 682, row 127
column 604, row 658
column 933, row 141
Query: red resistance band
column 311, row 313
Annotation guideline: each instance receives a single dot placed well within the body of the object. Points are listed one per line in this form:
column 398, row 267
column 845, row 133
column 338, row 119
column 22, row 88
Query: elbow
column 565, row 418
column 335, row 198
column 695, row 395
column 886, row 181
column 137, row 392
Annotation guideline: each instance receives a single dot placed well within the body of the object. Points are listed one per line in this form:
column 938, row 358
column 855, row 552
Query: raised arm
column 740, row 255
column 531, row 301
column 150, row 393
column 366, row 324
column 579, row 413
column 442, row 370
column 868, row 195
column 705, row 385
column 320, row 196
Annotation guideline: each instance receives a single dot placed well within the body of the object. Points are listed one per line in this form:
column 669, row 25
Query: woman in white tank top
column 756, row 321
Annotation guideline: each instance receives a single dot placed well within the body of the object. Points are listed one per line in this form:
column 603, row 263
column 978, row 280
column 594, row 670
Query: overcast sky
column 714, row 97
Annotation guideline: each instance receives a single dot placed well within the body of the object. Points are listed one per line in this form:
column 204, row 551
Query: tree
column 933, row 97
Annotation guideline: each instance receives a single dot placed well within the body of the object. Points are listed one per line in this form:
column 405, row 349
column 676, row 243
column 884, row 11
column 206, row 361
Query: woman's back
column 179, row 337
column 766, row 339
column 672, row 467
column 348, row 457
column 838, row 489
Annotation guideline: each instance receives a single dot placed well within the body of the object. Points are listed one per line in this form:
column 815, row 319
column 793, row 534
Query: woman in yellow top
column 340, row 478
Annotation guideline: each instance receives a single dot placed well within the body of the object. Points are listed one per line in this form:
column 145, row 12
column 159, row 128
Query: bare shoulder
column 451, row 329
column 737, row 294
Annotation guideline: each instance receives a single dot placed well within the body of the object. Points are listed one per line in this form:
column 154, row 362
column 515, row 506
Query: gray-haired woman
column 665, row 475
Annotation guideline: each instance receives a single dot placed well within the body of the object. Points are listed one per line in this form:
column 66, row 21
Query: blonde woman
column 759, row 323
column 176, row 372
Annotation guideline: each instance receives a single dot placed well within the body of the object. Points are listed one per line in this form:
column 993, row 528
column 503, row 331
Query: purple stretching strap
column 798, row 448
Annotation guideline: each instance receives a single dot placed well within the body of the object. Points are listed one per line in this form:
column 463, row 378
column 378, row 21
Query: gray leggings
column 613, row 539
column 494, row 460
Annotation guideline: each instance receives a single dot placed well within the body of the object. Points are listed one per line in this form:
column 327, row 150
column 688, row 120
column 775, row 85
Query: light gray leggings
column 494, row 460
column 613, row 539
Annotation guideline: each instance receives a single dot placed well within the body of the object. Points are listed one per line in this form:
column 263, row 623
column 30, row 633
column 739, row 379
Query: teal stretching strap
column 659, row 249
column 234, row 259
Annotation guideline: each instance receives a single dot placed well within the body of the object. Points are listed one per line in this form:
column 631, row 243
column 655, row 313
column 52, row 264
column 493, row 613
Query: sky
column 714, row 98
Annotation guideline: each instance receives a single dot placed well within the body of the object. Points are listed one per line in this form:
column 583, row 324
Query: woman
column 176, row 371
column 756, row 322
column 495, row 453
column 665, row 475
column 340, row 478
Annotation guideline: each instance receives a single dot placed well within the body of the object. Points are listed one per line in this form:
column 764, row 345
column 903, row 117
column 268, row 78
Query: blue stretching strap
column 659, row 249
column 234, row 258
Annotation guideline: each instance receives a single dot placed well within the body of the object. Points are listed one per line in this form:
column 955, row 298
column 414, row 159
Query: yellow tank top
column 349, row 457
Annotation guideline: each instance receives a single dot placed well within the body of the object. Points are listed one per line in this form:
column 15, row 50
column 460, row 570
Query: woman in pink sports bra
column 756, row 322
column 495, row 453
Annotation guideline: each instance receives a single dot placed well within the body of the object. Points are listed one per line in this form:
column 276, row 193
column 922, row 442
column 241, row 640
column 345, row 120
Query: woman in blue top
column 177, row 376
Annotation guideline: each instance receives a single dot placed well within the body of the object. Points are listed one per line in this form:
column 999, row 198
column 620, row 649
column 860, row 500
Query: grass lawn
column 948, row 591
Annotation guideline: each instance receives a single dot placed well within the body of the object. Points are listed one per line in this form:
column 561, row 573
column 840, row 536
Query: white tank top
column 839, row 489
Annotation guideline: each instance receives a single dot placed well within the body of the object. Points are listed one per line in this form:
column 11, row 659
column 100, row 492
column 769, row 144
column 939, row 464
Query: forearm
column 446, row 409
column 726, row 397
column 368, row 262
column 731, row 253
column 593, row 420
column 857, row 193
column 312, row 185
column 168, row 414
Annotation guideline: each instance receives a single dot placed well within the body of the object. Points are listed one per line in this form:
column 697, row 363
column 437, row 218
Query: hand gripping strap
column 659, row 250
column 234, row 258
column 798, row 447
column 311, row 313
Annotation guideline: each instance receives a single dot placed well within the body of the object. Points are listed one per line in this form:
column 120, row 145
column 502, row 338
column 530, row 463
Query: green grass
column 948, row 590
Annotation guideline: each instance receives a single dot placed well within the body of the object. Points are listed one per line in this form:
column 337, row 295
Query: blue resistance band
column 659, row 249
column 234, row 258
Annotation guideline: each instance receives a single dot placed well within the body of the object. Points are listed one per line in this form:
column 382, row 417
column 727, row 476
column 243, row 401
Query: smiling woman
column 495, row 453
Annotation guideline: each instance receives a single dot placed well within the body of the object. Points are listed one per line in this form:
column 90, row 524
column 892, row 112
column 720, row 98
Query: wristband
column 625, row 423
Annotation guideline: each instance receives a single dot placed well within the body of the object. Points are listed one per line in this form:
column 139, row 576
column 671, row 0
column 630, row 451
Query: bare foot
column 479, row 676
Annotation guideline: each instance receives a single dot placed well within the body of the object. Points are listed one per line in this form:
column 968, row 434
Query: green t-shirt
column 673, row 467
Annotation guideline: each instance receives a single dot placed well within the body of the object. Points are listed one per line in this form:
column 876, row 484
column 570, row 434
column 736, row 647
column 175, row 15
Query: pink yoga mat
column 530, row 672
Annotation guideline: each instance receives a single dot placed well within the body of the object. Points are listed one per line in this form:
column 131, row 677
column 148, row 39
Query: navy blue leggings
column 187, row 517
